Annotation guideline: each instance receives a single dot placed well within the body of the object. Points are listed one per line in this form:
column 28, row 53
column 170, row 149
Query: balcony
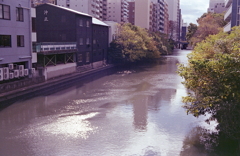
column 227, row 16
column 228, row 3
column 54, row 47
column 125, row 2
column 227, row 27
column 97, row 5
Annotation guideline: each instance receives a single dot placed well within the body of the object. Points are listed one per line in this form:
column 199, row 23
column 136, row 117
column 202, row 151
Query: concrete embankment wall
column 7, row 98
column 62, row 69
column 6, row 87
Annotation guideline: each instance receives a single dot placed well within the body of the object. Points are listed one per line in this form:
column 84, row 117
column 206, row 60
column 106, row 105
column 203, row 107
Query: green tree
column 213, row 76
column 133, row 43
column 162, row 42
column 192, row 28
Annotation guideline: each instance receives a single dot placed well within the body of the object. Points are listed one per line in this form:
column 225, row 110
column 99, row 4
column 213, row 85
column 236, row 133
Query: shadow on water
column 136, row 67
column 202, row 142
column 142, row 66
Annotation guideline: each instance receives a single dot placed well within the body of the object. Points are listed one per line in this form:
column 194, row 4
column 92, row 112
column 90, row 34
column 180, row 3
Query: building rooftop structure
column 217, row 6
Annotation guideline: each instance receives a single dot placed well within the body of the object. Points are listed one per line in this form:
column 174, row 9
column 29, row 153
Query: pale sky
column 193, row 9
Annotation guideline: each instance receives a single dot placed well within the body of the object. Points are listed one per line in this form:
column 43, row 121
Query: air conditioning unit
column 6, row 76
column 5, row 73
column 16, row 73
column 10, row 66
column 1, row 74
column 32, row 70
column 6, row 70
column 21, row 73
column 11, row 75
column 26, row 72
column 21, row 67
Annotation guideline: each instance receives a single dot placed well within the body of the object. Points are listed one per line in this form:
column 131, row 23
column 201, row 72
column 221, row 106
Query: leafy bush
column 213, row 76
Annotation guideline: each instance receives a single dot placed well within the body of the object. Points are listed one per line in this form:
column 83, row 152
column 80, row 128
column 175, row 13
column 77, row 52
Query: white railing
column 228, row 13
column 227, row 27
column 227, row 3
column 44, row 46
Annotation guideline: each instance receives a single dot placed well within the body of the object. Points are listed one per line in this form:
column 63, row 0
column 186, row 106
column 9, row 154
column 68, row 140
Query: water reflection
column 202, row 142
column 140, row 112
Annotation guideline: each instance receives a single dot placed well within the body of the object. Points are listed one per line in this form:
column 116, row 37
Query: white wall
column 60, row 69
column 78, row 5
column 112, row 29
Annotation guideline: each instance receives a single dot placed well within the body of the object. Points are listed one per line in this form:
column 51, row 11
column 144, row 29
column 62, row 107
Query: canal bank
column 50, row 85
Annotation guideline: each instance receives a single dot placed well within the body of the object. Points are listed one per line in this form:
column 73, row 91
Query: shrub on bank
column 133, row 44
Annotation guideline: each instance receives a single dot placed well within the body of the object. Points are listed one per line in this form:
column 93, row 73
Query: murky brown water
column 134, row 112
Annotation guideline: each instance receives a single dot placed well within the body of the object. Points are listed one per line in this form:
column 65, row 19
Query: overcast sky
column 193, row 9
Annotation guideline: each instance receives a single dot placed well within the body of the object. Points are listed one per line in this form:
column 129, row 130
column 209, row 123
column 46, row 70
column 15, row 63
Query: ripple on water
column 64, row 126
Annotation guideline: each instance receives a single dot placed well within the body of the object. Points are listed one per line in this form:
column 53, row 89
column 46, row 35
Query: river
column 136, row 111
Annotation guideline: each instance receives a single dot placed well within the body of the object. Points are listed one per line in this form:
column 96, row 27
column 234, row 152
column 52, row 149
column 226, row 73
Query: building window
column 4, row 12
column 19, row 14
column 5, row 41
column 79, row 57
column 81, row 41
column 33, row 24
column 80, row 22
column 87, row 23
column 87, row 56
column 20, row 40
column 87, row 41
column 94, row 41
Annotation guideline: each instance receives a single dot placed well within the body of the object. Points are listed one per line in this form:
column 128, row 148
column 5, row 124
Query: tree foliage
column 133, row 43
column 213, row 76
column 209, row 24
column 163, row 44
column 192, row 28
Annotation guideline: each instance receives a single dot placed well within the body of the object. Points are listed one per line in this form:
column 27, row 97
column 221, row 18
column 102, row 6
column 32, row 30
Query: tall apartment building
column 174, row 17
column 184, row 32
column 91, row 7
column 166, row 18
column 142, row 13
column 131, row 9
column 117, row 11
column 216, row 6
column 15, row 39
column 150, row 14
column 232, row 15
column 158, row 16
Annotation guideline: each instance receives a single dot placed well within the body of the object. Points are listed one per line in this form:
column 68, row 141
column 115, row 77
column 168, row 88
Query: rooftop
column 94, row 20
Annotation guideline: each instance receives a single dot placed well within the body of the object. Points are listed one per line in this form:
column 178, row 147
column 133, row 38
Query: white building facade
column 142, row 13
column 116, row 10
column 174, row 13
column 15, row 39
column 216, row 6
column 91, row 7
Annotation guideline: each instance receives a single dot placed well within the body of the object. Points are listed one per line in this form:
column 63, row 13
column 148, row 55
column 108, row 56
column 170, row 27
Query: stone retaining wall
column 5, row 87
